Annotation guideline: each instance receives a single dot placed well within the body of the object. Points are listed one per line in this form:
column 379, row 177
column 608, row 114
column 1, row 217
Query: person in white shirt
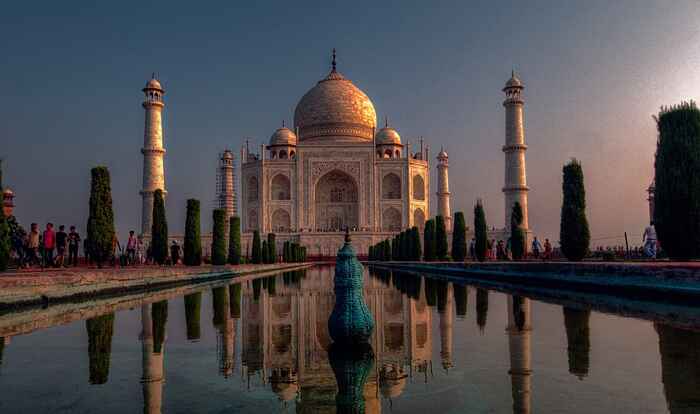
column 649, row 240
column 131, row 248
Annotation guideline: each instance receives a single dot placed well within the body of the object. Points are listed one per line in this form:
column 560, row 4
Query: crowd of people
column 501, row 250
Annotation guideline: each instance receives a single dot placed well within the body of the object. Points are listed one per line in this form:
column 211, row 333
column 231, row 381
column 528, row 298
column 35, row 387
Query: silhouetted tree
column 429, row 241
column 257, row 252
column 218, row 237
column 482, row 307
column 441, row 247
column 193, row 238
column 193, row 308
column 460, row 295
column 480, row 231
column 159, row 229
column 574, row 235
column 459, row 238
column 271, row 248
column 234, row 241
column 100, row 225
column 517, row 233
column 578, row 340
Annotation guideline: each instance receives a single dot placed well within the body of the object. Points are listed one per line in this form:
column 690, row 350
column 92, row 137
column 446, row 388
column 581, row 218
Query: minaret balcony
column 514, row 147
column 146, row 151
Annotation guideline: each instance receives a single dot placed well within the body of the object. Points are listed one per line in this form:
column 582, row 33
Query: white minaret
column 226, row 190
column 515, row 187
column 443, row 190
column 153, row 151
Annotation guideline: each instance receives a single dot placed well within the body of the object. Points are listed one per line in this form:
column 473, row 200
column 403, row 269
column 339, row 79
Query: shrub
column 159, row 229
column 234, row 241
column 574, row 235
column 100, row 225
column 480, row 231
column 677, row 180
column 193, row 240
column 218, row 237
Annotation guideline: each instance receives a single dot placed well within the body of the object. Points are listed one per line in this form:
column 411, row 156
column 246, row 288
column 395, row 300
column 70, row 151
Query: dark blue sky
column 594, row 72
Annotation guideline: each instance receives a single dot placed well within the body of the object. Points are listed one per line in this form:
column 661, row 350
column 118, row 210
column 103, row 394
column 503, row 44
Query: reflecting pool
column 262, row 345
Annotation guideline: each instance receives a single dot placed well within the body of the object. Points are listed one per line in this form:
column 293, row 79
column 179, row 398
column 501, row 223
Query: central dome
column 336, row 108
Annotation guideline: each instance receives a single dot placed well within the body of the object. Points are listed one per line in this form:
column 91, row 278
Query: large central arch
column 336, row 201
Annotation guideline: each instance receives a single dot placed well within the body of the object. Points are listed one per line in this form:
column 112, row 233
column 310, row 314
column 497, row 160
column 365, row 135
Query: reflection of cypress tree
column 193, row 306
column 100, row 330
column 482, row 307
column 680, row 368
column 2, row 347
column 518, row 313
column 351, row 366
column 460, row 294
column 257, row 284
column 430, row 292
column 271, row 288
column 578, row 339
column 441, row 288
column 235, row 300
column 219, row 303
column 159, row 316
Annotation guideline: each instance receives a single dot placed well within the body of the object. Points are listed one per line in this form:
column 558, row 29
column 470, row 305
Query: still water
column 262, row 346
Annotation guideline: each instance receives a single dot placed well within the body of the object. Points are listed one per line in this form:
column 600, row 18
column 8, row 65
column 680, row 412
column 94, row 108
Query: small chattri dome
column 153, row 84
column 388, row 136
column 442, row 154
column 514, row 81
column 283, row 136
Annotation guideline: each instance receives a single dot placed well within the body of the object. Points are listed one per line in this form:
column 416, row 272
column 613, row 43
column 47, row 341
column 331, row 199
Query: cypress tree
column 459, row 238
column 416, row 252
column 574, row 235
column 265, row 252
column 395, row 248
column 480, row 230
column 677, row 180
column 429, row 241
column 159, row 318
column 193, row 240
column 387, row 250
column 285, row 252
column 257, row 254
column 100, row 330
column 404, row 243
column 517, row 233
column 218, row 237
column 441, row 249
column 100, row 225
column 234, row 241
column 159, row 229
column 272, row 248
column 5, row 239
column 193, row 308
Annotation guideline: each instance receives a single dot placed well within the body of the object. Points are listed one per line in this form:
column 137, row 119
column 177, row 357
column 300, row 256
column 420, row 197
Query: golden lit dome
column 153, row 84
column 283, row 136
column 388, row 136
column 335, row 107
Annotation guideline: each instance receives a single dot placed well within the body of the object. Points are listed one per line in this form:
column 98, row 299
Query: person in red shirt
column 49, row 244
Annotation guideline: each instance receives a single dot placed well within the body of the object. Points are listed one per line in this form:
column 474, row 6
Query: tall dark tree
column 677, row 180
column 578, row 340
column 387, row 250
column 574, row 235
column 429, row 241
column 193, row 238
column 517, row 233
column 257, row 249
column 459, row 238
column 271, row 248
column 100, row 225
column 193, row 310
column 416, row 251
column 480, row 231
column 265, row 252
column 5, row 235
column 460, row 293
column 441, row 246
column 234, row 241
column 159, row 229
column 100, row 330
column 218, row 237
column 159, row 318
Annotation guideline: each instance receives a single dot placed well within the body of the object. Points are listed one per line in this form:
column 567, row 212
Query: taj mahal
column 333, row 168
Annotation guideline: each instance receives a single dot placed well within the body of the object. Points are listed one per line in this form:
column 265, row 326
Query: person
column 139, row 250
column 547, row 250
column 501, row 250
column 86, row 251
column 649, row 240
column 472, row 249
column 131, row 248
column 49, row 244
column 73, row 246
column 33, row 245
column 175, row 252
column 494, row 249
column 115, row 246
column 61, row 244
column 536, row 248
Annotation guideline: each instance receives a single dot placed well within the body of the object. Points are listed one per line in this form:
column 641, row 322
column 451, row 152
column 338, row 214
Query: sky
column 595, row 72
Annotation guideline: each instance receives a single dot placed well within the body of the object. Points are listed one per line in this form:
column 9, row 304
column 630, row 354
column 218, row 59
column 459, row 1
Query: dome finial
column 283, row 123
column 386, row 121
column 153, row 75
column 333, row 63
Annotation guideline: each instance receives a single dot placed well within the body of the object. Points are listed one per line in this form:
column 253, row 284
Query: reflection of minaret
column 578, row 340
column 223, row 322
column 152, row 378
column 519, row 330
column 680, row 368
column 446, row 319
column 443, row 191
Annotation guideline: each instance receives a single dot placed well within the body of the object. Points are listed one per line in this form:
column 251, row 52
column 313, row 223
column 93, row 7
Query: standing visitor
column 73, row 246
column 501, row 250
column 649, row 240
column 175, row 252
column 33, row 245
column 547, row 250
column 61, row 245
column 494, row 249
column 536, row 248
column 49, row 244
column 115, row 247
column 140, row 257
column 131, row 248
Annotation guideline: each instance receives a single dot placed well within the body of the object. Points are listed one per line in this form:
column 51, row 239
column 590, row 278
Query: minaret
column 225, row 187
column 153, row 151
column 515, row 187
column 443, row 190
column 519, row 331
column 152, row 379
